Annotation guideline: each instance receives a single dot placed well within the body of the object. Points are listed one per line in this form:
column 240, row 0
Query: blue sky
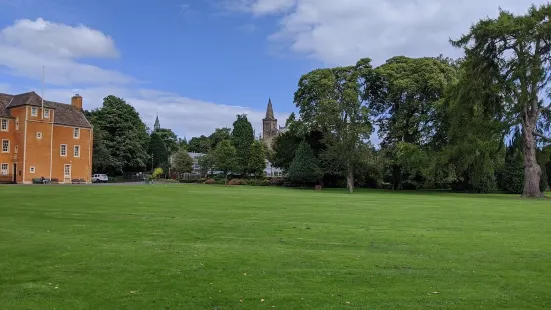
column 199, row 63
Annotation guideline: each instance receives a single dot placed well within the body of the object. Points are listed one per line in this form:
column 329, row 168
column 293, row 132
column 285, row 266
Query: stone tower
column 157, row 125
column 269, row 126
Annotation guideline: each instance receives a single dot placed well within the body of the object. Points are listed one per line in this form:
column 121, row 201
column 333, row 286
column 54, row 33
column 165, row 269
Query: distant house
column 271, row 171
column 41, row 138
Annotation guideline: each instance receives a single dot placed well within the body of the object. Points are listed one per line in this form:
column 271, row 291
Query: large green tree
column 170, row 139
column 225, row 158
column 304, row 168
column 182, row 162
column 206, row 163
column 332, row 100
column 124, row 135
column 158, row 151
column 219, row 135
column 257, row 159
column 242, row 138
column 405, row 102
column 200, row 144
column 516, row 48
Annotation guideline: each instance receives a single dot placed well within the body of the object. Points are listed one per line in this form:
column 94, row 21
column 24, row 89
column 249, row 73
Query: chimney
column 76, row 101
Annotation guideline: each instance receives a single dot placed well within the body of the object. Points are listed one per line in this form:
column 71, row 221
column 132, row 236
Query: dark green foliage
column 257, row 159
column 124, row 136
column 102, row 161
column 206, row 163
column 513, row 170
column 158, row 151
column 304, row 169
column 219, row 135
column 225, row 157
column 170, row 139
column 200, row 144
column 182, row 162
column 284, row 149
column 242, row 138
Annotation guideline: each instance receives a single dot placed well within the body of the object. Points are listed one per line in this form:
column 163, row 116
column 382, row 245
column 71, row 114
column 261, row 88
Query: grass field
column 211, row 247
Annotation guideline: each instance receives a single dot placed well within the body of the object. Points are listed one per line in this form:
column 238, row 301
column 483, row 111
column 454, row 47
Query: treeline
column 476, row 124
column 123, row 143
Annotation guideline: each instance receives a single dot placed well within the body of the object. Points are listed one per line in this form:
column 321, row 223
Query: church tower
column 269, row 126
column 157, row 125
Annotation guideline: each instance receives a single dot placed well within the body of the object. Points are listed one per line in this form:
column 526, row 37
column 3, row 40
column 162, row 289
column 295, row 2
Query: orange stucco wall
column 42, row 151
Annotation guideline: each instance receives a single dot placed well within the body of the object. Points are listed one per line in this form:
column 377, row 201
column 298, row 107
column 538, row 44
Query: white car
column 100, row 178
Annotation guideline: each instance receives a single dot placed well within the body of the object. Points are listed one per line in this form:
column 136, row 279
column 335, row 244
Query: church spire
column 269, row 110
column 157, row 125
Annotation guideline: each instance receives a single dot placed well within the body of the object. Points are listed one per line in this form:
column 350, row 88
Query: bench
column 78, row 181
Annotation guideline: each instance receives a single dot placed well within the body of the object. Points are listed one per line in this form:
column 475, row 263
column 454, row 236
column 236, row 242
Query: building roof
column 270, row 110
column 65, row 114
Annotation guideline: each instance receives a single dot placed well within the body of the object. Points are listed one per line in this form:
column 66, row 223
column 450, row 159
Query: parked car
column 100, row 178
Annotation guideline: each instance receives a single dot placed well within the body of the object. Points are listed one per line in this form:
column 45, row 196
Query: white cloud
column 341, row 32
column 28, row 45
column 185, row 116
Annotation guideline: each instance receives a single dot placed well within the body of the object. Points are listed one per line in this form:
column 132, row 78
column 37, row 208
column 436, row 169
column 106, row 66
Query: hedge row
column 250, row 182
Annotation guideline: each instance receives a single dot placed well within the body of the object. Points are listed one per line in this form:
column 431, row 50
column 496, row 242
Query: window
column 4, row 169
column 76, row 133
column 32, row 170
column 5, row 146
column 4, row 125
column 46, row 113
column 34, row 111
column 77, row 151
column 17, row 123
column 67, row 170
column 39, row 135
column 16, row 149
column 63, row 150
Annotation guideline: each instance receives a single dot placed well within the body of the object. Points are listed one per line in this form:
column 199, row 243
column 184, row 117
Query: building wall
column 8, row 158
column 81, row 167
column 38, row 137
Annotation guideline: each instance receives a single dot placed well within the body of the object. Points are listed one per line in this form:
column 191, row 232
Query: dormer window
column 34, row 111
column 46, row 113
column 4, row 125
column 76, row 133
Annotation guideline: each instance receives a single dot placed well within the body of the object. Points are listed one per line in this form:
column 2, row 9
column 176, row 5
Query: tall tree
column 170, row 139
column 102, row 161
column 182, row 162
column 405, row 103
column 200, row 144
column 517, row 50
column 304, row 169
column 206, row 163
column 219, row 135
column 242, row 138
column 158, row 152
column 225, row 157
column 257, row 159
column 332, row 101
column 124, row 134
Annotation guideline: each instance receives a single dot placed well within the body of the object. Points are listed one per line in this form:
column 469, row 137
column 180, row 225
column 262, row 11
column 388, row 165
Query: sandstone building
column 41, row 138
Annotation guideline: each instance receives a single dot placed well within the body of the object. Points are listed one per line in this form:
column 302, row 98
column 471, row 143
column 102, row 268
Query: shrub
column 210, row 181
column 276, row 181
column 220, row 181
column 237, row 182
column 259, row 182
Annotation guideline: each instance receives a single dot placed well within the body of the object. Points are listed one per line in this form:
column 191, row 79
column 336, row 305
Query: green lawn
column 210, row 247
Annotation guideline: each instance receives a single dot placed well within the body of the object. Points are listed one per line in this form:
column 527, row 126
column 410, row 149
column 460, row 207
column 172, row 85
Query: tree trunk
column 350, row 180
column 532, row 171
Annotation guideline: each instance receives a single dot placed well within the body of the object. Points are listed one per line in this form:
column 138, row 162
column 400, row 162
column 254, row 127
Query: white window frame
column 75, row 153
column 6, row 171
column 3, row 146
column 34, row 111
column 32, row 170
column 46, row 113
column 65, row 170
column 61, row 150
column 6, row 123
column 39, row 135
column 76, row 133
column 17, row 123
